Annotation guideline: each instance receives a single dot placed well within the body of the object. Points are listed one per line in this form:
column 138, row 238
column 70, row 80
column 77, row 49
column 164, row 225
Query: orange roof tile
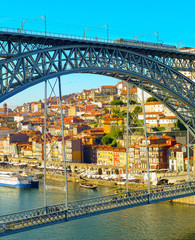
column 147, row 113
column 131, row 91
column 153, row 103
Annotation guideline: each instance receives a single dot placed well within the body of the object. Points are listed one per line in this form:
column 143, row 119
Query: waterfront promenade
column 113, row 183
column 173, row 177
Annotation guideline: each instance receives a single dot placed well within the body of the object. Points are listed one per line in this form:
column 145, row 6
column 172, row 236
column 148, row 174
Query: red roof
column 147, row 113
column 153, row 103
column 131, row 91
column 108, row 86
column 185, row 48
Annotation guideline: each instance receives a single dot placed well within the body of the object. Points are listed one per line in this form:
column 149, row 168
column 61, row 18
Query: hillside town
column 95, row 131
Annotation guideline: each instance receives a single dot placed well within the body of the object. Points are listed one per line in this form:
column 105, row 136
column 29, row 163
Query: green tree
column 114, row 144
column 116, row 110
column 122, row 114
column 137, row 110
column 106, row 140
column 158, row 129
column 138, row 124
column 132, row 102
column 151, row 99
column 110, row 138
column 97, row 117
column 114, row 132
column 116, row 102
column 106, row 111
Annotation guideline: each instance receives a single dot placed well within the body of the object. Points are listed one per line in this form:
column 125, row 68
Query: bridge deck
column 86, row 40
column 40, row 217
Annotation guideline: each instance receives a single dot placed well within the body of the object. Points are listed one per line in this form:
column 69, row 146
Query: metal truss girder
column 10, row 47
column 12, row 44
column 177, row 62
column 160, row 80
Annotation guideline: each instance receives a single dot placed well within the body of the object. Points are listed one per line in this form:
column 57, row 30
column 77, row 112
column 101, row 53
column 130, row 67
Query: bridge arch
column 173, row 89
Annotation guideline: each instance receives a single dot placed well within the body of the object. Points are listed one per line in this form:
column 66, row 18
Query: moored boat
column 32, row 179
column 12, row 179
column 34, row 183
column 86, row 185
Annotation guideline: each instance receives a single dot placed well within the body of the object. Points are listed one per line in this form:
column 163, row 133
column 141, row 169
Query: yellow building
column 109, row 122
column 72, row 111
column 105, row 155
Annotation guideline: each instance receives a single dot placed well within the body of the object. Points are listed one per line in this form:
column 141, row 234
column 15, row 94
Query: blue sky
column 174, row 20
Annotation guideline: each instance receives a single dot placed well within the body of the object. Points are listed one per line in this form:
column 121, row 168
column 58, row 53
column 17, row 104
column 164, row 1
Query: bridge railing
column 107, row 198
column 95, row 200
column 172, row 193
column 156, row 193
column 76, row 37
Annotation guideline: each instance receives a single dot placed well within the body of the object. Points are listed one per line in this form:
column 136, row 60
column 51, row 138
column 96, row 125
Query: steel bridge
column 14, row 42
column 41, row 217
column 28, row 58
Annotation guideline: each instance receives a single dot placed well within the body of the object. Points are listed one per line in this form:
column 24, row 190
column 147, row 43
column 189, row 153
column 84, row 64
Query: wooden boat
column 86, row 185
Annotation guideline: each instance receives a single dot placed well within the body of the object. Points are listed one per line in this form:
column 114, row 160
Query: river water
column 171, row 221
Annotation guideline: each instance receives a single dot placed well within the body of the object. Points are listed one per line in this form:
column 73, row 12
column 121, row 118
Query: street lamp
column 180, row 43
column 42, row 17
column 105, row 26
column 155, row 33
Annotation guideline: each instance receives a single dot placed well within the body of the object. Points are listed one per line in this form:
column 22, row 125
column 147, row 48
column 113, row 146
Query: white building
column 158, row 115
column 160, row 121
column 121, row 86
column 177, row 163
column 177, row 155
column 20, row 117
column 157, row 107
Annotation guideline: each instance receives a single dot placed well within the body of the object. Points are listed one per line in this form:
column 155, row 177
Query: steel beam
column 173, row 89
column 14, row 43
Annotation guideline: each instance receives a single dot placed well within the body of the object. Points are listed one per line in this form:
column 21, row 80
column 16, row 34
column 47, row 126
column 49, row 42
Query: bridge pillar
column 63, row 142
column 127, row 141
column 190, row 156
column 193, row 166
column 146, row 142
column 45, row 142
column 54, row 143
column 1, row 80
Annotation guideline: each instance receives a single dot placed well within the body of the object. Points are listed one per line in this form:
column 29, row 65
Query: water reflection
column 162, row 221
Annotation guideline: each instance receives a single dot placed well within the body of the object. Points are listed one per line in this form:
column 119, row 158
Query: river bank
column 75, row 178
column 98, row 182
column 161, row 221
